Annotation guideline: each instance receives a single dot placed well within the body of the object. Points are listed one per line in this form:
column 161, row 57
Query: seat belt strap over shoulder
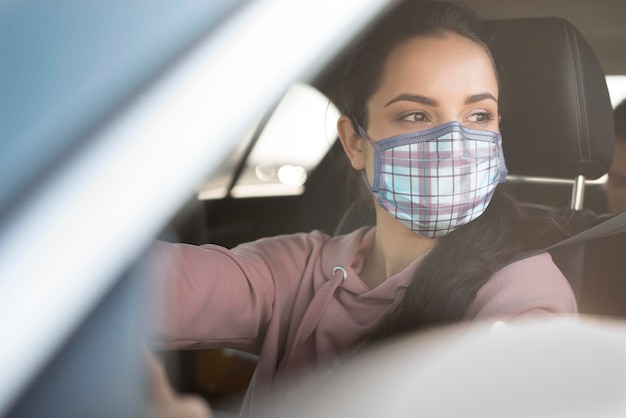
column 611, row 226
column 571, row 259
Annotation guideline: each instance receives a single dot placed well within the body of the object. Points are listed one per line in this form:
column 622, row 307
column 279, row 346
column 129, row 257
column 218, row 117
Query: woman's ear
column 352, row 142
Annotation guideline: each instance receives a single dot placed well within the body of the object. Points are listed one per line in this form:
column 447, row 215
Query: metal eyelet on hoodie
column 342, row 270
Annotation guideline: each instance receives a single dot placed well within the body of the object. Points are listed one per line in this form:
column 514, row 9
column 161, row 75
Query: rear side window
column 292, row 142
column 617, row 88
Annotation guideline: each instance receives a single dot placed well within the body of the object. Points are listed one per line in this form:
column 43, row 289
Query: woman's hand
column 164, row 402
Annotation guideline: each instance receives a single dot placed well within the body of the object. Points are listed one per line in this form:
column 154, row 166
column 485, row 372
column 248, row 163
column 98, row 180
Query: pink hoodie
column 286, row 299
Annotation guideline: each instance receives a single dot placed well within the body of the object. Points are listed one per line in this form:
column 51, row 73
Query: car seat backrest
column 557, row 117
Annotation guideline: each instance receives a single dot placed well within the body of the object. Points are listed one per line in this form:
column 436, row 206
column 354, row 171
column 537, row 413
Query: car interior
column 557, row 128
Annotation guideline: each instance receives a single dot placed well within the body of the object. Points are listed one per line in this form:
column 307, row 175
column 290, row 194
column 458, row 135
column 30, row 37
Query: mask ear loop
column 364, row 134
column 373, row 188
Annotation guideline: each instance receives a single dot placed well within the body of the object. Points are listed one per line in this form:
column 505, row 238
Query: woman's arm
column 207, row 296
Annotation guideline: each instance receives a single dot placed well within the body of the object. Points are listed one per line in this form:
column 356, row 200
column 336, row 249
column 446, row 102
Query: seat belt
column 610, row 226
column 569, row 253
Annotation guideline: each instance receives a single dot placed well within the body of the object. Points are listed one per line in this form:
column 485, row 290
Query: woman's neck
column 395, row 247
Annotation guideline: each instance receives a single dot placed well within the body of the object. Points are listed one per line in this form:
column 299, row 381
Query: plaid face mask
column 434, row 181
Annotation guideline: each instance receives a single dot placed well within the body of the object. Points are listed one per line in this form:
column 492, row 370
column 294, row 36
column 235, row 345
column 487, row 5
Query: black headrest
column 557, row 116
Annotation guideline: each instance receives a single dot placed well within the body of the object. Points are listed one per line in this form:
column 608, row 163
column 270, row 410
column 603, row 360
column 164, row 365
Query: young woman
column 420, row 127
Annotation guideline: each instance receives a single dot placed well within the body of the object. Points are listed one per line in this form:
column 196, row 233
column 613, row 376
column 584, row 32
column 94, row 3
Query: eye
column 481, row 117
column 415, row 117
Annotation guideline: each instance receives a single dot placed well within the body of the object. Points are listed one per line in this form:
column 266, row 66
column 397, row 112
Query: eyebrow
column 412, row 98
column 432, row 102
column 479, row 97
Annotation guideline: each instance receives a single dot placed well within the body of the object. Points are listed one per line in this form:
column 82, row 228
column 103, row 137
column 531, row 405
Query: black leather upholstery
column 557, row 116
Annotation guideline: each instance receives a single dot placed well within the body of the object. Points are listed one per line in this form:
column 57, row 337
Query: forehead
column 438, row 64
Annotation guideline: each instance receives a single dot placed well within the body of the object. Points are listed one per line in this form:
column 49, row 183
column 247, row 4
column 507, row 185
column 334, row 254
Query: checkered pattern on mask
column 436, row 180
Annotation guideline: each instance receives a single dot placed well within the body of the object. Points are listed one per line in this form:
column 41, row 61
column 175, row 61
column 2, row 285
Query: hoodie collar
column 349, row 252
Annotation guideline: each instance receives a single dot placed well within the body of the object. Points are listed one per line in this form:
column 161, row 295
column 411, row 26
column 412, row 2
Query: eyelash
column 485, row 115
column 424, row 116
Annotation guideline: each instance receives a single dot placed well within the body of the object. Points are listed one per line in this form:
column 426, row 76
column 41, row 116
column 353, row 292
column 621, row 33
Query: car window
column 66, row 68
column 290, row 144
column 617, row 88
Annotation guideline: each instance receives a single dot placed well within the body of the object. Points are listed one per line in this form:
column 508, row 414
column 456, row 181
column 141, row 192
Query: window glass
column 216, row 186
column 617, row 88
column 97, row 55
column 296, row 137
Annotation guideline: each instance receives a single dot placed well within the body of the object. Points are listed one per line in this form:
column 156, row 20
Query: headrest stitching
column 577, row 99
column 586, row 139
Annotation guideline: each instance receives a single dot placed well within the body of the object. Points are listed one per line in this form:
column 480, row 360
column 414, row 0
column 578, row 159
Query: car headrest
column 557, row 117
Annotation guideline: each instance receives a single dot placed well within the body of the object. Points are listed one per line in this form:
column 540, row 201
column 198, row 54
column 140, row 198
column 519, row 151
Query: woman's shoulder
column 300, row 242
column 303, row 241
column 533, row 285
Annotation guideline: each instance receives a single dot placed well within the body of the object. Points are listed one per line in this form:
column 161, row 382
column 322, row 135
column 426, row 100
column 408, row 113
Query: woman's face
column 428, row 81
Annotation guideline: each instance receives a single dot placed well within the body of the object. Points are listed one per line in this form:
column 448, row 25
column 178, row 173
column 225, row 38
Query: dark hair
column 408, row 20
column 619, row 116
column 451, row 274
column 463, row 261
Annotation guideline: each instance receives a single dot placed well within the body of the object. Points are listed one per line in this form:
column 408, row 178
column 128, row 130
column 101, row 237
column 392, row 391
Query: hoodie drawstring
column 319, row 303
